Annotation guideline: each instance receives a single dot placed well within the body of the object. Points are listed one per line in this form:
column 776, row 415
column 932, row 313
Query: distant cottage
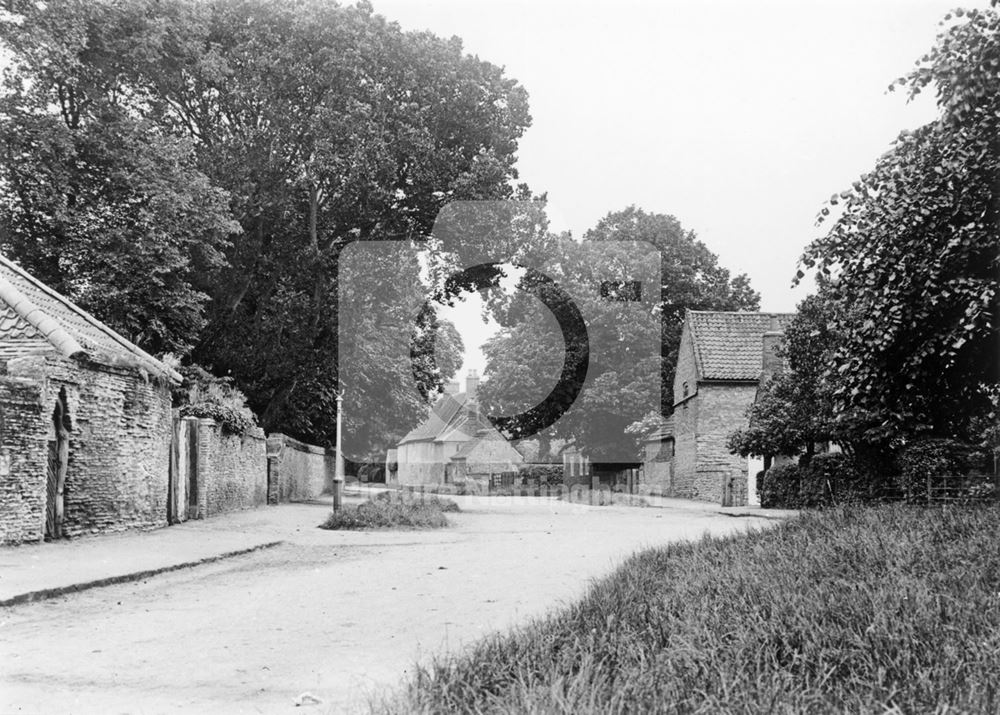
column 85, row 420
column 722, row 360
column 456, row 443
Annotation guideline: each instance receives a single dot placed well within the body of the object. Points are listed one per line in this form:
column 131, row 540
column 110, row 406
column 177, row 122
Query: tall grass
column 889, row 609
column 393, row 509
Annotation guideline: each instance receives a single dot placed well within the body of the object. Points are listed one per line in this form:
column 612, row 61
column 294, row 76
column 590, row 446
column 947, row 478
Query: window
column 684, row 388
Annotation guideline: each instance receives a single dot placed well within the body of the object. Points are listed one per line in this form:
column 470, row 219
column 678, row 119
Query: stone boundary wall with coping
column 298, row 471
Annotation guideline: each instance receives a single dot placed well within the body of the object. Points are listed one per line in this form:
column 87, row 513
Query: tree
column 622, row 385
column 98, row 202
column 912, row 261
column 322, row 124
column 793, row 411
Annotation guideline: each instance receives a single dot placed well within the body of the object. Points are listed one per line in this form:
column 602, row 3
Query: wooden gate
column 53, row 511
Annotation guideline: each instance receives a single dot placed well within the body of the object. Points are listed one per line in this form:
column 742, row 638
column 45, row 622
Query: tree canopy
column 911, row 263
column 623, row 382
column 190, row 171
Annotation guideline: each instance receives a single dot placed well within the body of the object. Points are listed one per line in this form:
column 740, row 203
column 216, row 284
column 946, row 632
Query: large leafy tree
column 99, row 202
column 525, row 357
column 324, row 124
column 913, row 259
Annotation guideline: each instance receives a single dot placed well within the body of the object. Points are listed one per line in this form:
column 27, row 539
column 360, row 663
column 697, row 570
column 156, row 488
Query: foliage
column 393, row 509
column 96, row 200
column 835, row 478
column 524, row 358
column 309, row 124
column 205, row 395
column 847, row 610
column 794, row 410
column 936, row 456
column 913, row 258
column 781, row 488
column 543, row 474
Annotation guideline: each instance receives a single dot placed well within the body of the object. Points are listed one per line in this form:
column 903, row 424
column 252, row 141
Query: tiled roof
column 729, row 345
column 442, row 413
column 34, row 315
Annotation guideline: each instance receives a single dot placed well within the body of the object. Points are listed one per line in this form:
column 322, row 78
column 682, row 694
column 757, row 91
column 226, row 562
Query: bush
column 202, row 394
column 393, row 509
column 543, row 474
column 932, row 458
column 781, row 487
column 833, row 478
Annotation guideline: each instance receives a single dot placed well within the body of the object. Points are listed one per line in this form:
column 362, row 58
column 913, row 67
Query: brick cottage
column 85, row 420
column 722, row 360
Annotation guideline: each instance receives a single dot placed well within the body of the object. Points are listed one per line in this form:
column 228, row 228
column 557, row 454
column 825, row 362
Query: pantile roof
column 729, row 345
column 33, row 316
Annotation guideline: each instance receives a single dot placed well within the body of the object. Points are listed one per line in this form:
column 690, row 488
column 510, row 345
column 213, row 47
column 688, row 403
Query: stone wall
column 297, row 471
column 658, row 467
column 119, row 439
column 23, row 456
column 722, row 410
column 421, row 463
column 231, row 470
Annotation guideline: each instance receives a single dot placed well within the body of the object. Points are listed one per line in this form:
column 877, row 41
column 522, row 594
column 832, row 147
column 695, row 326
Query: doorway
column 55, row 492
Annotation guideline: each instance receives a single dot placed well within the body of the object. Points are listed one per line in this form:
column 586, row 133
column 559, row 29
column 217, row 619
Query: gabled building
column 454, row 442
column 85, row 420
column 722, row 359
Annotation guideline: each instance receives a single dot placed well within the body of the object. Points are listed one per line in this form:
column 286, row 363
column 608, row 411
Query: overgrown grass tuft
column 393, row 509
column 889, row 609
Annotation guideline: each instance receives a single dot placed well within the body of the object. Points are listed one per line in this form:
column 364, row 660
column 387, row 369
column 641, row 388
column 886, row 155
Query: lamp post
column 338, row 477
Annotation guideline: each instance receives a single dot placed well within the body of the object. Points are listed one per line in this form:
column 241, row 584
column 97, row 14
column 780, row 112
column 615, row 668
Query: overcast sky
column 739, row 118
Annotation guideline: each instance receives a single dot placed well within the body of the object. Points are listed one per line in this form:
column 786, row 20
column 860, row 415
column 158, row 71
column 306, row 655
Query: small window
column 684, row 388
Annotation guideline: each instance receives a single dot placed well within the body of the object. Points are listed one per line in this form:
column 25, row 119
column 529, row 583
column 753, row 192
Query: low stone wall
column 231, row 470
column 297, row 471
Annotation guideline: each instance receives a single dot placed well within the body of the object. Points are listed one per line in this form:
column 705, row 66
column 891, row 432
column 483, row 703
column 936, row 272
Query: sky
column 738, row 118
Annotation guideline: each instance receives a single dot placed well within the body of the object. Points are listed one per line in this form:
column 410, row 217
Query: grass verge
column 393, row 509
column 888, row 609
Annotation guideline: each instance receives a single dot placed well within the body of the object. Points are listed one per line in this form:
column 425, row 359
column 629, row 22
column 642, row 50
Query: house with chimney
column 456, row 443
column 723, row 359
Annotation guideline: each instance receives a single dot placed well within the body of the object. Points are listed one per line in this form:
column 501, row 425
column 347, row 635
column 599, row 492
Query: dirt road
column 341, row 615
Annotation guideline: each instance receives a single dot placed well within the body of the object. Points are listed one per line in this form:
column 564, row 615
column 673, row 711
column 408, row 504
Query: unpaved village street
column 342, row 615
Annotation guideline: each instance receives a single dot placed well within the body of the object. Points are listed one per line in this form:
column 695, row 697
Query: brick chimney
column 452, row 388
column 772, row 364
column 472, row 384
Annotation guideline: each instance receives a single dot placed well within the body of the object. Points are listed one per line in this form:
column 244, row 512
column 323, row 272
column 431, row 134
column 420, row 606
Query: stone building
column 454, row 443
column 722, row 359
column 85, row 420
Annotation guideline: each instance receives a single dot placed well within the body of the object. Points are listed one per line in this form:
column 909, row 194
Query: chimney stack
column 471, row 384
column 452, row 388
column 771, row 363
